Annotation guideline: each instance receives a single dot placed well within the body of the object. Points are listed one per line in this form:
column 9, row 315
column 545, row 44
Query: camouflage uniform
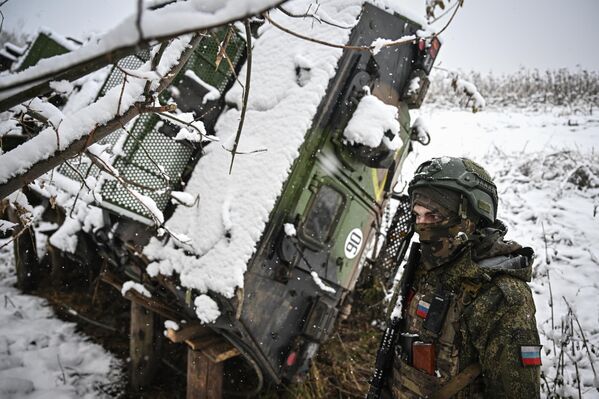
column 486, row 322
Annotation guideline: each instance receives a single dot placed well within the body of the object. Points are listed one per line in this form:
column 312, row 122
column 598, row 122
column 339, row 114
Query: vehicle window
column 323, row 212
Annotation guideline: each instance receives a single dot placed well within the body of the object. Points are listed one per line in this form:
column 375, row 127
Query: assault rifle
column 394, row 249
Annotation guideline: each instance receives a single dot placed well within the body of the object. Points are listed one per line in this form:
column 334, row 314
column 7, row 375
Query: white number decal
column 353, row 243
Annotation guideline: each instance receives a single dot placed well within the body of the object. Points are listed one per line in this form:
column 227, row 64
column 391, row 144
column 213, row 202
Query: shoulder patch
column 530, row 355
column 514, row 290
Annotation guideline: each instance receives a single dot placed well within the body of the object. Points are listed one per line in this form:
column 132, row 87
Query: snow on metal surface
column 234, row 209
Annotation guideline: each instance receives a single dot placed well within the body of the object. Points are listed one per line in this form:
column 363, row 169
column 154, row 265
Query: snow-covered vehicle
column 266, row 263
column 315, row 243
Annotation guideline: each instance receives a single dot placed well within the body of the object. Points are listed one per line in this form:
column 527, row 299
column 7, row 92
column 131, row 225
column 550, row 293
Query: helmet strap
column 463, row 210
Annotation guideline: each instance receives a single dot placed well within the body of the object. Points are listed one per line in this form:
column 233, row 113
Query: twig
column 552, row 317
column 154, row 63
column 225, row 56
column 245, row 152
column 64, row 377
column 311, row 39
column 41, row 166
column 222, row 47
column 584, row 339
column 75, row 313
column 118, row 107
column 149, row 303
column 147, row 154
column 125, row 184
column 16, row 236
column 7, row 300
column 545, row 241
column 544, row 377
column 351, row 371
column 578, row 380
column 312, row 15
column 40, row 118
column 138, row 19
column 76, row 69
column 188, row 124
column 455, row 11
column 2, row 16
column 102, row 165
column 163, row 108
column 83, row 184
column 456, row 4
column 246, row 91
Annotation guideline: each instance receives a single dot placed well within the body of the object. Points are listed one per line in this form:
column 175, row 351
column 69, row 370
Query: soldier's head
column 451, row 198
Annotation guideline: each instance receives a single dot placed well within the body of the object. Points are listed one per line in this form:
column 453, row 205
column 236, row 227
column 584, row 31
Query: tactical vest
column 429, row 354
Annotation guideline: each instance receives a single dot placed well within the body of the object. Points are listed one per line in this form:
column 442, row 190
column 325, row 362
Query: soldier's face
column 426, row 216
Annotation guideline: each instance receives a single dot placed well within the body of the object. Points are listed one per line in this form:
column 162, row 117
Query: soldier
column 468, row 326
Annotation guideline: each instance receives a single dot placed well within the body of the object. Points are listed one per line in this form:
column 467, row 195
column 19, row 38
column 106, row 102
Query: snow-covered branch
column 162, row 24
column 81, row 129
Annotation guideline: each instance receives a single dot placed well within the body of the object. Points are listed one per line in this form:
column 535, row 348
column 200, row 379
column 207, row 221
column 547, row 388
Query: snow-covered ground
column 42, row 356
column 546, row 167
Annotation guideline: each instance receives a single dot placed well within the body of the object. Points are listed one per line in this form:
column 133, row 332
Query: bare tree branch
column 455, row 11
column 400, row 41
column 312, row 15
column 246, row 91
column 16, row 90
column 245, row 152
column 311, row 39
column 138, row 19
column 80, row 145
column 147, row 154
column 2, row 14
column 155, row 61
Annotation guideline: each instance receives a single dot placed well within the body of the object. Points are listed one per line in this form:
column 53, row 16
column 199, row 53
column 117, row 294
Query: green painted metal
column 42, row 47
column 152, row 160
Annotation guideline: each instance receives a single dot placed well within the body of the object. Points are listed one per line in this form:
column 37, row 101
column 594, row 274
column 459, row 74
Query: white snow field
column 42, row 356
column 546, row 167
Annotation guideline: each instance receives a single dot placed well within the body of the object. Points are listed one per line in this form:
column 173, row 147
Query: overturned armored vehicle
column 268, row 248
column 277, row 246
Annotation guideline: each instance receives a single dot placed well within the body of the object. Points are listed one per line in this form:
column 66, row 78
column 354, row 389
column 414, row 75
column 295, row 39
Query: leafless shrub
column 530, row 89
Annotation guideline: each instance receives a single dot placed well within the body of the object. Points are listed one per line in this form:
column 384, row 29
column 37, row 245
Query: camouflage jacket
column 491, row 322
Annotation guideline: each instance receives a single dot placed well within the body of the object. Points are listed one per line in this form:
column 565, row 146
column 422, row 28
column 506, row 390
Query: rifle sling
column 459, row 382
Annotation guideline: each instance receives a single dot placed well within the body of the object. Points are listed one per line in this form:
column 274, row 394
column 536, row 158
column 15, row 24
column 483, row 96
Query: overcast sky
column 497, row 35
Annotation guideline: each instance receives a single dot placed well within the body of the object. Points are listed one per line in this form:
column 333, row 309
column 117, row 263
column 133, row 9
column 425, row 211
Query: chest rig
column 431, row 359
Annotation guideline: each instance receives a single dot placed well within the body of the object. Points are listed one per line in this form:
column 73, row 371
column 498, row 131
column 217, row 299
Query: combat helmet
column 464, row 176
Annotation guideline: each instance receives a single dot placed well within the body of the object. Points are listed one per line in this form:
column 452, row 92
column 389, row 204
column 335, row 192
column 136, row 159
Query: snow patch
column 169, row 324
column 206, row 309
column 132, row 285
column 289, row 230
column 321, row 284
column 371, row 120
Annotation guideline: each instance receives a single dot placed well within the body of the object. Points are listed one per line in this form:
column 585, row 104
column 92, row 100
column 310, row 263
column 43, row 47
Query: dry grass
column 344, row 364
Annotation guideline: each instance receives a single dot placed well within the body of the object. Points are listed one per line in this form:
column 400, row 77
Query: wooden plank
column 200, row 343
column 141, row 349
column 204, row 378
column 220, row 352
column 25, row 251
column 187, row 332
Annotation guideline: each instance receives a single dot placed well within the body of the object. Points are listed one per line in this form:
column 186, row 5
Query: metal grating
column 114, row 79
column 148, row 147
column 116, row 76
column 395, row 242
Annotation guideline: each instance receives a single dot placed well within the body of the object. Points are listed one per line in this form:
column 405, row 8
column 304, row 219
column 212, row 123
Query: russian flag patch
column 422, row 309
column 531, row 355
